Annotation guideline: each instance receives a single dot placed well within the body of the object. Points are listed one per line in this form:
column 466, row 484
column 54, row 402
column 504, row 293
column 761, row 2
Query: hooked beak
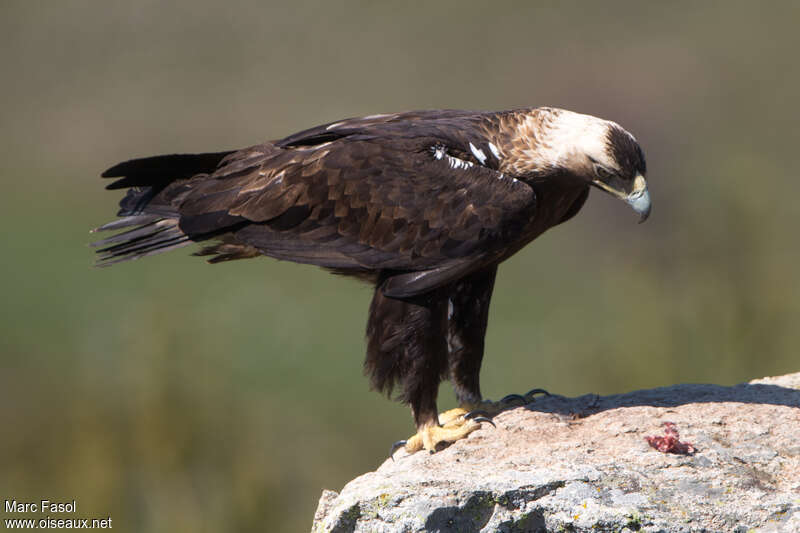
column 638, row 198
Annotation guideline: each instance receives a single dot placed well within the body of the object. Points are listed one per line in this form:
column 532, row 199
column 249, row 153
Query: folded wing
column 402, row 198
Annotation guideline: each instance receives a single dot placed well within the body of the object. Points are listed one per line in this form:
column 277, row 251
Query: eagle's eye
column 602, row 172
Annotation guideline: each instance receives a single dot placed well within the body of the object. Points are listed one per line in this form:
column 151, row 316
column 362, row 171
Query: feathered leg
column 468, row 312
column 468, row 315
column 406, row 345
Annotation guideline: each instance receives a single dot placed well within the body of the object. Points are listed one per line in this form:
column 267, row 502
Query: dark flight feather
column 160, row 170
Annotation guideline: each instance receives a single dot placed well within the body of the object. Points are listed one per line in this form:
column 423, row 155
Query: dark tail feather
column 113, row 260
column 153, row 222
column 152, row 238
column 124, row 222
column 156, row 226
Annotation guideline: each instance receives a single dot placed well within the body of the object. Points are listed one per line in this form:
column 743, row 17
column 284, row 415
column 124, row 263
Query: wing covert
column 369, row 203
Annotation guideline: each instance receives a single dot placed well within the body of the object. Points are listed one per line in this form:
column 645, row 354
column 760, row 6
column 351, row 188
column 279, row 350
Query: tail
column 144, row 209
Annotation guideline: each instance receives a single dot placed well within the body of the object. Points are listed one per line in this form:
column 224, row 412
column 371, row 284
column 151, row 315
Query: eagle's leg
column 407, row 345
column 468, row 316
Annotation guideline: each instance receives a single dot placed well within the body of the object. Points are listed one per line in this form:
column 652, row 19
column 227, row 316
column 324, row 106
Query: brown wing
column 363, row 203
column 349, row 126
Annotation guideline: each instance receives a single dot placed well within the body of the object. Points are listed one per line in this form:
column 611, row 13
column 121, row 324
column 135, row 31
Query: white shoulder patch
column 439, row 153
column 478, row 153
column 458, row 163
column 454, row 162
column 494, row 150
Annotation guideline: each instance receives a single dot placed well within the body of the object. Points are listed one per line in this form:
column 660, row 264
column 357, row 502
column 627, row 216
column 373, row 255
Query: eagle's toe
column 436, row 438
column 456, row 424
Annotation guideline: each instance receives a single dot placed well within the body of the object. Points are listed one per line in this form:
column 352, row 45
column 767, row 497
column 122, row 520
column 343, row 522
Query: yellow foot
column 456, row 424
column 434, row 437
column 453, row 415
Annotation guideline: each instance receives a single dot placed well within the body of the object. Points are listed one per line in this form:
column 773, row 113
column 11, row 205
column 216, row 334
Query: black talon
column 509, row 397
column 473, row 414
column 483, row 419
column 396, row 446
column 534, row 392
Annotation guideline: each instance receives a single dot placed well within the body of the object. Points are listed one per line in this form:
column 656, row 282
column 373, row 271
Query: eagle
column 424, row 205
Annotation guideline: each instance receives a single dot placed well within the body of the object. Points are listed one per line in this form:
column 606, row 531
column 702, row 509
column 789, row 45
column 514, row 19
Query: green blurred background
column 178, row 396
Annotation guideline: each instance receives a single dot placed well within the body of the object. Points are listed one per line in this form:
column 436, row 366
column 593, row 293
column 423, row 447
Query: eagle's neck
column 541, row 141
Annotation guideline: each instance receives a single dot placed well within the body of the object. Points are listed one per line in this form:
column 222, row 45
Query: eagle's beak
column 638, row 198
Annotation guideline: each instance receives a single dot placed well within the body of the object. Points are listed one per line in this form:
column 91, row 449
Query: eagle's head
column 552, row 141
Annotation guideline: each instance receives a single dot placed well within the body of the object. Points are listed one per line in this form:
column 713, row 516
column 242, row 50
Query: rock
column 583, row 464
